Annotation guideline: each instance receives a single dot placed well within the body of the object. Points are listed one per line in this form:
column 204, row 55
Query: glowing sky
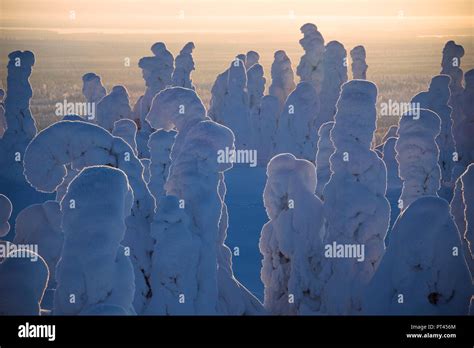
column 254, row 17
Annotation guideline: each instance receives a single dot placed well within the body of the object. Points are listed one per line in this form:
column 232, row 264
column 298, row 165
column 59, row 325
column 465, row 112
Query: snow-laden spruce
column 5, row 213
column 296, row 131
column 127, row 130
column 23, row 283
column 310, row 67
column 451, row 65
column 113, row 107
column 324, row 152
column 251, row 58
column 89, row 274
column 462, row 210
column 291, row 242
column 21, row 129
column 423, row 271
column 464, row 126
column 231, row 105
column 394, row 183
column 417, row 155
column 157, row 72
column 334, row 67
column 255, row 85
column 3, row 120
column 359, row 66
column 436, row 99
column 184, row 66
column 195, row 175
column 160, row 145
column 283, row 79
column 355, row 206
column 40, row 224
column 264, row 122
column 64, row 143
column 92, row 88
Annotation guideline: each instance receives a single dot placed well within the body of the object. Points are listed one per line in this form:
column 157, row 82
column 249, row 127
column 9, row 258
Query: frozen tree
column 436, row 99
column 63, row 144
column 127, row 130
column 194, row 175
column 3, row 121
column 334, row 68
column 394, row 183
column 423, row 271
column 23, row 284
column 283, row 82
column 464, row 126
column 296, row 131
column 264, row 121
column 255, row 85
column 157, row 72
column 92, row 88
column 451, row 65
column 104, row 275
column 251, row 58
column 5, row 212
column 357, row 215
column 310, row 68
column 40, row 224
column 417, row 155
column 462, row 210
column 113, row 107
column 20, row 131
column 359, row 66
column 324, row 152
column 233, row 109
column 184, row 65
column 291, row 242
column 160, row 145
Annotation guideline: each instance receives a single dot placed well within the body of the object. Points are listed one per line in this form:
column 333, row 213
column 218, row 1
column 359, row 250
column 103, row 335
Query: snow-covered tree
column 255, row 85
column 283, row 81
column 359, row 66
column 127, row 130
column 463, row 127
column 21, row 129
column 296, row 131
column 92, row 88
column 334, row 68
column 291, row 242
column 462, row 210
column 3, row 121
column 324, row 152
column 5, row 213
column 184, row 65
column 160, row 145
column 40, row 224
column 264, row 121
column 101, row 273
column 251, row 58
column 195, row 175
column 310, row 67
column 355, row 206
column 423, row 271
column 157, row 72
column 436, row 99
column 23, row 283
column 62, row 144
column 113, row 107
column 417, row 155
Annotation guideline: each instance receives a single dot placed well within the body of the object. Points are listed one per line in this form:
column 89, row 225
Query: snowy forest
column 121, row 209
